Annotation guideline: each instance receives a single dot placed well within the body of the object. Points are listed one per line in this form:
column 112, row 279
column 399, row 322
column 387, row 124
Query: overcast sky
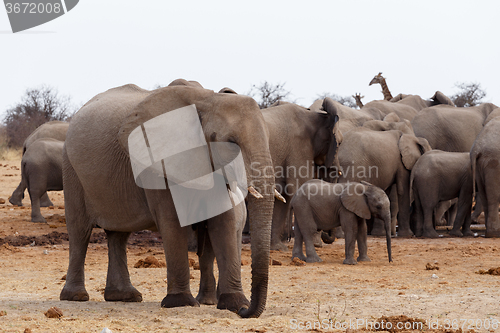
column 311, row 46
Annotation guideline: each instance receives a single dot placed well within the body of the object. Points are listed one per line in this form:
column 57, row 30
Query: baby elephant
column 41, row 170
column 319, row 205
column 440, row 176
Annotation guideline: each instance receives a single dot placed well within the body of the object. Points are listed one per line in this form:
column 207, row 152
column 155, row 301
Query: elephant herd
column 391, row 162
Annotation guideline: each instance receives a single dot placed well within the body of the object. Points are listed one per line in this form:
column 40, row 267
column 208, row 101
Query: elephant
column 41, row 171
column 418, row 103
column 100, row 189
column 349, row 118
column 299, row 139
column 52, row 129
column 485, row 164
column 322, row 205
column 382, row 158
column 451, row 128
column 384, row 125
column 441, row 176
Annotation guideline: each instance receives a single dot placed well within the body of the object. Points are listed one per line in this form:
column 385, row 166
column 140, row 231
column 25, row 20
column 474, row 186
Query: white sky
column 312, row 46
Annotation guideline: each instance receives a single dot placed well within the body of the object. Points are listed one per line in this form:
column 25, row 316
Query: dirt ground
column 321, row 297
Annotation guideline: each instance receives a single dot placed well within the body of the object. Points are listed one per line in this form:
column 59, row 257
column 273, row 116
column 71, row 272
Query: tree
column 37, row 106
column 344, row 100
column 266, row 94
column 470, row 94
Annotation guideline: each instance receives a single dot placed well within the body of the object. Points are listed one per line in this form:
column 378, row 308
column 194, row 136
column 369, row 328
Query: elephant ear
column 333, row 128
column 355, row 202
column 161, row 101
column 440, row 98
column 227, row 90
column 411, row 149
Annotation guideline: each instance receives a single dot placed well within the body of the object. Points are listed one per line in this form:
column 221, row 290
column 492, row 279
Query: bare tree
column 470, row 94
column 266, row 94
column 37, row 106
column 344, row 100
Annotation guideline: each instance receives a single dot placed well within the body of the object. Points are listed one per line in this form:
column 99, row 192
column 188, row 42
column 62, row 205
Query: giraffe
column 385, row 90
column 357, row 97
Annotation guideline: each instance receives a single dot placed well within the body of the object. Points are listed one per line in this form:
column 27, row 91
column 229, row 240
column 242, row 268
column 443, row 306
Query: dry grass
column 8, row 153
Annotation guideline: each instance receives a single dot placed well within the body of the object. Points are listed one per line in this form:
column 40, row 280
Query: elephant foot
column 15, row 201
column 45, row 201
column 233, row 302
column 468, row 233
column 339, row 233
column 363, row 258
column 311, row 259
column 430, row 234
column 177, row 300
column 38, row 219
column 77, row 295
column 115, row 295
column 492, row 233
column 207, row 297
column 350, row 261
column 279, row 246
column 378, row 232
column 405, row 233
column 299, row 255
column 456, row 233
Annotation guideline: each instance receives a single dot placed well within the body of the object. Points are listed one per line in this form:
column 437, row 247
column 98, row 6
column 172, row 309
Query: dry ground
column 31, row 279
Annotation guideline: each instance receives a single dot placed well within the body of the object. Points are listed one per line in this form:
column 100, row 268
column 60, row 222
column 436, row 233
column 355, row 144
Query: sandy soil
column 327, row 294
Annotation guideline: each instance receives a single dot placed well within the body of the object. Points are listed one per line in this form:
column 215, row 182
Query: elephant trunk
column 260, row 211
column 387, row 224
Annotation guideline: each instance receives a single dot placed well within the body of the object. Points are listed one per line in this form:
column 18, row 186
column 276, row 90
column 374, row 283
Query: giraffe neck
column 359, row 103
column 385, row 90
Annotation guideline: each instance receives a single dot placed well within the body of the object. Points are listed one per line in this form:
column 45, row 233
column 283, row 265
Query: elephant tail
column 473, row 159
column 412, row 176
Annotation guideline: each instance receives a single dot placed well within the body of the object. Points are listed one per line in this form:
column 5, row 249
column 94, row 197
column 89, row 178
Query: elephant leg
column 175, row 245
column 428, row 230
column 36, row 215
column 280, row 218
column 378, row 227
column 492, row 192
column 118, row 285
column 463, row 217
column 318, row 242
column 300, row 218
column 79, row 231
column 403, row 181
column 207, row 292
column 18, row 195
column 350, row 225
column 478, row 209
column 45, row 200
column 362, row 240
column 225, row 236
column 418, row 216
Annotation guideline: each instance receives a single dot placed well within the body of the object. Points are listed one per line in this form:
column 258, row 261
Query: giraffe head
column 358, row 96
column 377, row 79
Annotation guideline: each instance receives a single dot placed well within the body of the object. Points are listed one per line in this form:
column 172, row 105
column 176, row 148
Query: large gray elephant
column 299, row 140
column 319, row 205
column 52, row 129
column 402, row 110
column 100, row 189
column 485, row 163
column 451, row 128
column 382, row 158
column 442, row 176
column 41, row 171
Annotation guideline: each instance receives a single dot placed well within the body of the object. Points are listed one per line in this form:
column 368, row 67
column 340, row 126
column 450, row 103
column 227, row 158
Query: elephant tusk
column 254, row 192
column 279, row 196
